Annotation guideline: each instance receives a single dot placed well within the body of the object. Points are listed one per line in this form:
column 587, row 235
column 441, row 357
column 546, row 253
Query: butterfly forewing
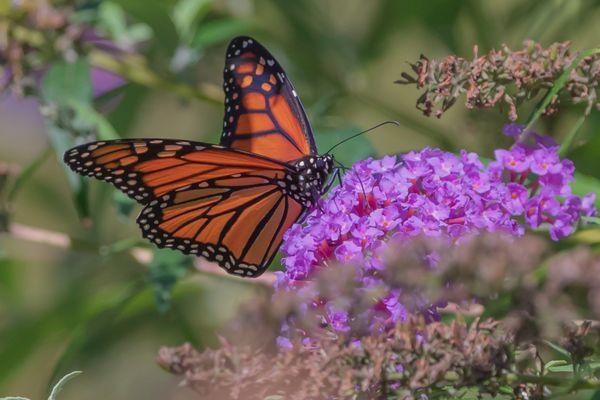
column 263, row 113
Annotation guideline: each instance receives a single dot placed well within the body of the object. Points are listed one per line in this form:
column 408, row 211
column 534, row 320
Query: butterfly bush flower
column 429, row 193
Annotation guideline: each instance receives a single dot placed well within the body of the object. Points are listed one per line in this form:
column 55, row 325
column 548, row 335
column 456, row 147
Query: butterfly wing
column 224, row 204
column 263, row 114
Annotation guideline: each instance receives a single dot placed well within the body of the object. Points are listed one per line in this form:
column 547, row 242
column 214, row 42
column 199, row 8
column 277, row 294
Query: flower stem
column 570, row 139
column 572, row 384
column 134, row 69
column 556, row 87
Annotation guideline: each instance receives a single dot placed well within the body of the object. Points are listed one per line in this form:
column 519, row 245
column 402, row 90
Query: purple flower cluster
column 432, row 193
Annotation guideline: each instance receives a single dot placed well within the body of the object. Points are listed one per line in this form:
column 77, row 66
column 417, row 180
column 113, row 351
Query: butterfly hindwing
column 263, row 114
column 236, row 221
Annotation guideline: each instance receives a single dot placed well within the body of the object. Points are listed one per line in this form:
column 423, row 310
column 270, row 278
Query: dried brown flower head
column 403, row 362
column 31, row 33
column 529, row 296
column 506, row 77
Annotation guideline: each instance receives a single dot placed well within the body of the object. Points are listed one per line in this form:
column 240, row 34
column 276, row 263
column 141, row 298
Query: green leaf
column 551, row 365
column 61, row 140
column 166, row 268
column 87, row 118
column 68, row 82
column 124, row 204
column 155, row 14
column 186, row 13
column 113, row 21
column 61, row 383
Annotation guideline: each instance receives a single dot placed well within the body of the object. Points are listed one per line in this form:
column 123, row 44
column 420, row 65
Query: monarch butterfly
column 229, row 203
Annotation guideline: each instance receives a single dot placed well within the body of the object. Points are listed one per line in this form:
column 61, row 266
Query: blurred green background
column 90, row 305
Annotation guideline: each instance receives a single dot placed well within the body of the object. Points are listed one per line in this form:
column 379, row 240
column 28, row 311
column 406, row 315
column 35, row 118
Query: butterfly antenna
column 360, row 133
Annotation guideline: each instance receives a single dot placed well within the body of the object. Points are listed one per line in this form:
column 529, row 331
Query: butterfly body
column 230, row 203
column 306, row 184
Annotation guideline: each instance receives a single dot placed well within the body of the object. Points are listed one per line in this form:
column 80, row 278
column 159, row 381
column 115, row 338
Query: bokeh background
column 82, row 301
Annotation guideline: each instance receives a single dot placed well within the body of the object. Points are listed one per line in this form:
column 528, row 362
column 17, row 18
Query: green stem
column 572, row 384
column 571, row 136
column 134, row 69
column 28, row 172
column 556, row 87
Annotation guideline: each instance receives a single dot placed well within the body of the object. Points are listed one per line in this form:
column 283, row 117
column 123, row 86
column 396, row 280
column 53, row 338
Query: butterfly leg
column 331, row 180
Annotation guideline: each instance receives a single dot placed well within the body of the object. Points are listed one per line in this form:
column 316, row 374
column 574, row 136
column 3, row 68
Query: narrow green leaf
column 559, row 350
column 61, row 383
column 13, row 398
column 555, row 364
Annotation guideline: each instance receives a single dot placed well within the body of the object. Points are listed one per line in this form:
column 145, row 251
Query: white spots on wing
column 245, row 44
column 294, row 93
column 232, row 67
column 261, row 61
column 270, row 62
column 237, row 52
